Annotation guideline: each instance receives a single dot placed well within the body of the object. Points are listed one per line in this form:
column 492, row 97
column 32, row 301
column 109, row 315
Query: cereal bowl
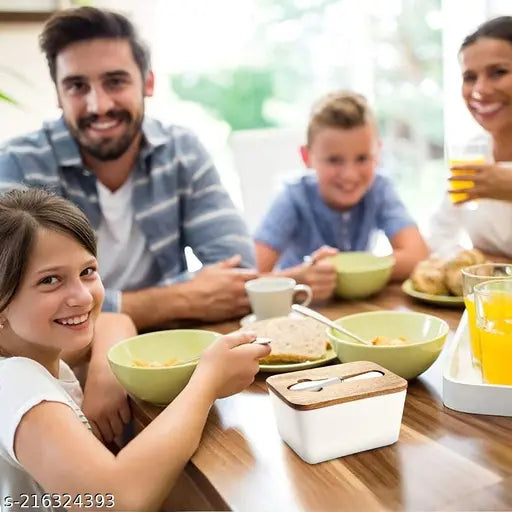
column 147, row 366
column 361, row 274
column 425, row 334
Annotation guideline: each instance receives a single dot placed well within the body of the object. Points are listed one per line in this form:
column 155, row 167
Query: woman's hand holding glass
column 482, row 181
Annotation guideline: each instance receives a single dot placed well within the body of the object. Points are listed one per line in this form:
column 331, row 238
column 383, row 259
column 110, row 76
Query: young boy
column 338, row 207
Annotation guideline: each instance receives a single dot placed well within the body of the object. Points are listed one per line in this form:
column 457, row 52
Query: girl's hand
column 491, row 181
column 229, row 365
column 106, row 406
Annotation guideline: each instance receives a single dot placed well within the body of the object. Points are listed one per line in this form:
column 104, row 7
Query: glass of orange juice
column 493, row 301
column 471, row 276
column 476, row 152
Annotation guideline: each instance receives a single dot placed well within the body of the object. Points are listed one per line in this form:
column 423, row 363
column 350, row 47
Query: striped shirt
column 178, row 200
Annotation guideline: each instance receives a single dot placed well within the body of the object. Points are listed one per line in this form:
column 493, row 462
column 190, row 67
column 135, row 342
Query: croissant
column 428, row 277
column 444, row 277
column 453, row 267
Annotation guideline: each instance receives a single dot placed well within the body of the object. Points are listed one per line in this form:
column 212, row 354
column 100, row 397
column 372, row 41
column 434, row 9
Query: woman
column 486, row 64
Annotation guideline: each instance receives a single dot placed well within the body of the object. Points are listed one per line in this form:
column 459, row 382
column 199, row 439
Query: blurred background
column 243, row 74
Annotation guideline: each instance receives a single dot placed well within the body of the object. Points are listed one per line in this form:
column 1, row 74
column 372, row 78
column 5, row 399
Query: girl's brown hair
column 340, row 109
column 22, row 214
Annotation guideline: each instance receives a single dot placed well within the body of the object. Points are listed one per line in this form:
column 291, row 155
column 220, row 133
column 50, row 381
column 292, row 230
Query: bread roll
column 453, row 267
column 428, row 277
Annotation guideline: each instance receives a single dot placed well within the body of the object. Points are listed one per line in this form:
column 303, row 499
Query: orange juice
column 469, row 301
column 496, row 339
column 456, row 185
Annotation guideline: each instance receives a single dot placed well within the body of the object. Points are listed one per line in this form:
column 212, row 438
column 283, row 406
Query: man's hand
column 217, row 292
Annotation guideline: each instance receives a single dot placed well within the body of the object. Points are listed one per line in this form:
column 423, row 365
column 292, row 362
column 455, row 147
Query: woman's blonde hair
column 339, row 109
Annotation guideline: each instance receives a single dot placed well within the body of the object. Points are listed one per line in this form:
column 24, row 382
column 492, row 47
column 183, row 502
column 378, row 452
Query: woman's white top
column 485, row 224
column 25, row 383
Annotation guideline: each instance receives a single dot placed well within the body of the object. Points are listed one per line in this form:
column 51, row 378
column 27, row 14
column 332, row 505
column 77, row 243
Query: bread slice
column 294, row 340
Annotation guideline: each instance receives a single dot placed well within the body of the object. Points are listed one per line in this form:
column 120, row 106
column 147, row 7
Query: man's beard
column 109, row 148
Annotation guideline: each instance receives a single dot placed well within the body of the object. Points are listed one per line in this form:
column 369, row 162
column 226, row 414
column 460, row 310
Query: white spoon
column 303, row 310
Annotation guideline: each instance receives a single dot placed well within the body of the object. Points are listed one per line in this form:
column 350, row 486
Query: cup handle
column 307, row 290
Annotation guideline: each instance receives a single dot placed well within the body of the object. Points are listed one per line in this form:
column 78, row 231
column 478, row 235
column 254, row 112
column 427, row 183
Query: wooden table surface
column 443, row 460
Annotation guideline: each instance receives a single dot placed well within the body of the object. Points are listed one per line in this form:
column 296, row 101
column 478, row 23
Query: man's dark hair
column 497, row 28
column 84, row 23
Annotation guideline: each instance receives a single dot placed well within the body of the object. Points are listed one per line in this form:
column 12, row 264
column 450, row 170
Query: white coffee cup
column 274, row 296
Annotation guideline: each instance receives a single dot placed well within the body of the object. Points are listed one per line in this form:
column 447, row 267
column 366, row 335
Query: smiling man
column 149, row 190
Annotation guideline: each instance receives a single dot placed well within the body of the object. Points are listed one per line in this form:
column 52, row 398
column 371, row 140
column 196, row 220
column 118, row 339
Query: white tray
column 463, row 389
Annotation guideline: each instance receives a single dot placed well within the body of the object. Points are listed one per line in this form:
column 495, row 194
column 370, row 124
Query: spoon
column 259, row 341
column 303, row 310
column 318, row 385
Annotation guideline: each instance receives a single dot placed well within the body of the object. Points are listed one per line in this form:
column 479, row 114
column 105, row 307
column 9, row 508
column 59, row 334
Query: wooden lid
column 333, row 394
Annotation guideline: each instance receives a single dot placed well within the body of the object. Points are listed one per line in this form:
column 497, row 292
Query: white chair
column 262, row 158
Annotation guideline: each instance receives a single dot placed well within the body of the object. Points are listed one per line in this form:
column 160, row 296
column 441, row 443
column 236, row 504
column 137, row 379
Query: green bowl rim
column 382, row 263
column 147, row 334
column 444, row 324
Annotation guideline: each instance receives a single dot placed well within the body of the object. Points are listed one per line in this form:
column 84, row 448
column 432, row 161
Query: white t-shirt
column 24, row 383
column 123, row 256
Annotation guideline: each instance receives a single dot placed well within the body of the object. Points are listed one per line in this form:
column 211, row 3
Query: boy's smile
column 345, row 161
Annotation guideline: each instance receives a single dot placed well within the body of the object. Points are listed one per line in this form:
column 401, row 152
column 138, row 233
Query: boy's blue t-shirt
column 299, row 222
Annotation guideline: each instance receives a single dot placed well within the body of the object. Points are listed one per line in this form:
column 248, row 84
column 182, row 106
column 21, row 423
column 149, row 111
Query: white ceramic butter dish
column 339, row 414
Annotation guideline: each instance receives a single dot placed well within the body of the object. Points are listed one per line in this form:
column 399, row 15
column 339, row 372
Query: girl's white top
column 24, row 383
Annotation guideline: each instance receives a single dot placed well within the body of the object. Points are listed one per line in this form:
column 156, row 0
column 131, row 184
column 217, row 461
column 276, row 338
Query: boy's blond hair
column 339, row 109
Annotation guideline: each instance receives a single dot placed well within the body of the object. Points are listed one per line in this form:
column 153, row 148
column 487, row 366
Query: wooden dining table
column 443, row 460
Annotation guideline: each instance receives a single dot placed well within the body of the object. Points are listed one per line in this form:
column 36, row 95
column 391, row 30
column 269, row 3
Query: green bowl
column 158, row 385
column 361, row 274
column 426, row 333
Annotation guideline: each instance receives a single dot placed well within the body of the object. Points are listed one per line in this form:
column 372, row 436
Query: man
column 148, row 190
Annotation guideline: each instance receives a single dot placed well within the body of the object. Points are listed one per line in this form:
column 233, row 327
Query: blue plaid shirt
column 299, row 222
column 178, row 199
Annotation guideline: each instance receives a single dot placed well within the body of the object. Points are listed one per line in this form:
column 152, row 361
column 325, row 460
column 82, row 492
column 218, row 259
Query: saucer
column 250, row 319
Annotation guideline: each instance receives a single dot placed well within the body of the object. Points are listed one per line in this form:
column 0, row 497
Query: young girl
column 50, row 299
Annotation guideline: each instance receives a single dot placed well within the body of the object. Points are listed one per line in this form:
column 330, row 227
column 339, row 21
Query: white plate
column 438, row 300
column 250, row 319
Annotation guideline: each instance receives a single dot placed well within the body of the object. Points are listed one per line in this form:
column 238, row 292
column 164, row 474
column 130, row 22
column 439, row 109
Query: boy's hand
column 229, row 365
column 318, row 273
column 324, row 252
column 321, row 277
